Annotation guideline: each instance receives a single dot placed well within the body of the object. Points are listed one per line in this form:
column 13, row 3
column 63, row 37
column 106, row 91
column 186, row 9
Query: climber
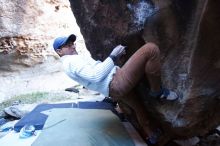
column 109, row 79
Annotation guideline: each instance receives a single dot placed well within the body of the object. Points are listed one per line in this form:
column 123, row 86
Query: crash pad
column 83, row 127
column 37, row 117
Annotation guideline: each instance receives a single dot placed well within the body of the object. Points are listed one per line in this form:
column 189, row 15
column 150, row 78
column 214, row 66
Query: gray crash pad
column 83, row 127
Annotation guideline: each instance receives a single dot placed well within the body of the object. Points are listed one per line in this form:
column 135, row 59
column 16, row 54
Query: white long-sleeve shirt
column 94, row 75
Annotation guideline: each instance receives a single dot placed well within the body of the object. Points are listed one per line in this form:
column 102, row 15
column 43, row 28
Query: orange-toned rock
column 188, row 35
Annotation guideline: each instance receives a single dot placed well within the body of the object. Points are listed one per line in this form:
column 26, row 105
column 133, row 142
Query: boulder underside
column 188, row 36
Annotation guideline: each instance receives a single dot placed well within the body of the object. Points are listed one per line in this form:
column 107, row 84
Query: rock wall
column 26, row 55
column 188, row 36
column 186, row 32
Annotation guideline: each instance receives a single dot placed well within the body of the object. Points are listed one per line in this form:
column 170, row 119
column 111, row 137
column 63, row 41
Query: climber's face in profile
column 65, row 45
column 67, row 49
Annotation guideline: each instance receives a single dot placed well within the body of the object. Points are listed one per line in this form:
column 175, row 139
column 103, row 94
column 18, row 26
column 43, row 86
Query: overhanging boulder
column 188, row 35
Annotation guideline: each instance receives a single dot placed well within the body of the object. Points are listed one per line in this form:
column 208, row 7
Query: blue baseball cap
column 60, row 41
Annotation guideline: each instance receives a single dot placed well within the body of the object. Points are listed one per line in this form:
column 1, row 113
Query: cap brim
column 71, row 38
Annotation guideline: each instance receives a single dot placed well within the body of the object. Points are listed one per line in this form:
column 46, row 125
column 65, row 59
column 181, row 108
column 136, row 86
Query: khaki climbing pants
column 144, row 62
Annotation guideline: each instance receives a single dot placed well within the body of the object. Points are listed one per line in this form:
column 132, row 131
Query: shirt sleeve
column 92, row 73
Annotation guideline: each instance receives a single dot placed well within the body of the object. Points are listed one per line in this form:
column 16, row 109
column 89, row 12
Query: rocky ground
column 18, row 106
column 24, row 96
column 24, row 103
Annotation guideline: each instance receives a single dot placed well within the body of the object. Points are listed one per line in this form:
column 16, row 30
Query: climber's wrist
column 113, row 57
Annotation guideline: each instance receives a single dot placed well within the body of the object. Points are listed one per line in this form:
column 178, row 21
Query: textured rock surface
column 27, row 62
column 27, row 29
column 189, row 38
column 186, row 31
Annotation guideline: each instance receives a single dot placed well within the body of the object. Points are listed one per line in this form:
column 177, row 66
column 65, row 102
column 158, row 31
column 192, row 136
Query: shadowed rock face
column 189, row 39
